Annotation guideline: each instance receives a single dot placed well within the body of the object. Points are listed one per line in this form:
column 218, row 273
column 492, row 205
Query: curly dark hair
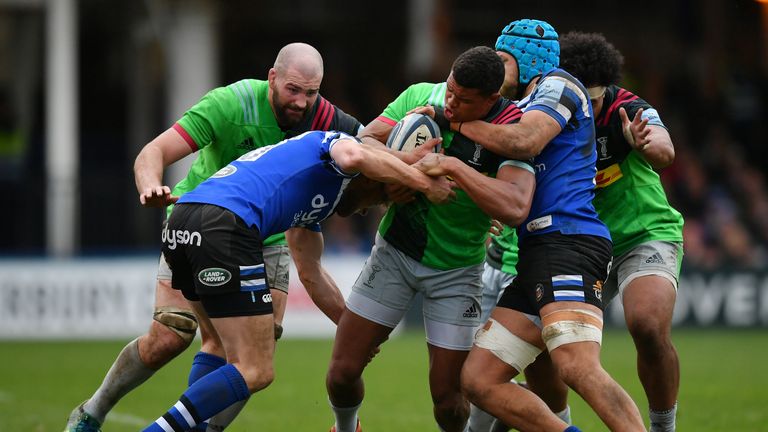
column 590, row 58
column 479, row 68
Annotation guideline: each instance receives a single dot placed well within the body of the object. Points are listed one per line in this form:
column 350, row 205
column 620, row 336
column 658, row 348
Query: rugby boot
column 81, row 421
column 357, row 429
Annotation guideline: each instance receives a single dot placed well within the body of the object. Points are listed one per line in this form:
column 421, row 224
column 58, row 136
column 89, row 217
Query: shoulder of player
column 504, row 112
column 561, row 82
column 617, row 97
column 238, row 102
column 425, row 93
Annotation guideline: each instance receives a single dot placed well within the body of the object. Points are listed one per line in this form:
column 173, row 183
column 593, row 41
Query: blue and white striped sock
column 206, row 397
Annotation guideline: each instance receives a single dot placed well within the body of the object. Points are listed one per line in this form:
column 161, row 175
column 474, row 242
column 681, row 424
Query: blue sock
column 205, row 398
column 202, row 365
column 572, row 429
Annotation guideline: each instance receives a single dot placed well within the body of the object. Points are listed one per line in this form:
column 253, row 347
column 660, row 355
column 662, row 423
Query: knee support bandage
column 571, row 325
column 180, row 321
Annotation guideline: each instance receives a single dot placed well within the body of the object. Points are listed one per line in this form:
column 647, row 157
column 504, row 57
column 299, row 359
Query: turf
column 724, row 385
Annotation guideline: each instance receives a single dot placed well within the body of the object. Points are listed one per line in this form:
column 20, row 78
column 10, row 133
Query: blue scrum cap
column 533, row 43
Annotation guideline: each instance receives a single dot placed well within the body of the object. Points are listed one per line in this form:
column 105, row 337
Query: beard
column 288, row 115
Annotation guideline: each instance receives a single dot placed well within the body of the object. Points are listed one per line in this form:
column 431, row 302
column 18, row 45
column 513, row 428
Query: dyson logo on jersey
column 184, row 237
column 306, row 218
column 539, row 223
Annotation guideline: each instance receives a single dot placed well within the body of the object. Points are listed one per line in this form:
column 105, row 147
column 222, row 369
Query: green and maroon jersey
column 629, row 196
column 452, row 235
column 233, row 120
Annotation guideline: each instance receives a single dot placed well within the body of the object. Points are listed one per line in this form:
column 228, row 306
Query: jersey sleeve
column 346, row 123
column 202, row 123
column 649, row 112
column 409, row 99
column 558, row 96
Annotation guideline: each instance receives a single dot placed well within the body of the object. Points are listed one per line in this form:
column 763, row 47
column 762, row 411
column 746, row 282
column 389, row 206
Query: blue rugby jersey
column 294, row 183
column 565, row 169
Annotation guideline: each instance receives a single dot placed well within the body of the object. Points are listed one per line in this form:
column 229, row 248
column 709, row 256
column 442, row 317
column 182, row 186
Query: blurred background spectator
column 702, row 64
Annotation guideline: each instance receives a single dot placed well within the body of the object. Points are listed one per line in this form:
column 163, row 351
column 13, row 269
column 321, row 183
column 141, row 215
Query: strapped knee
column 506, row 346
column 571, row 325
column 180, row 321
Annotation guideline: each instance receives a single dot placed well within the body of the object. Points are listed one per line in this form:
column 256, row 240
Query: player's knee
column 649, row 332
column 171, row 332
column 473, row 388
column 450, row 405
column 257, row 377
column 343, row 372
column 181, row 322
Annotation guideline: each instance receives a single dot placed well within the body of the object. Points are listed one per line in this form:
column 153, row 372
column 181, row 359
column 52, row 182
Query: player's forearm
column 382, row 166
column 510, row 140
column 499, row 199
column 660, row 152
column 148, row 168
column 324, row 292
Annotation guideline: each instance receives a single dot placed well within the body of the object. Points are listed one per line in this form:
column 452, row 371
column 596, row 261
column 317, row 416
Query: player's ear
column 271, row 76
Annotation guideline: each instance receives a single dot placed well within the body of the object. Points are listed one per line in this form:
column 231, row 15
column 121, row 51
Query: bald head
column 301, row 57
column 294, row 83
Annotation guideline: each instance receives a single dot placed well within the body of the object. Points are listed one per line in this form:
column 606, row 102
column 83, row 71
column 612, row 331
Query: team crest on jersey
column 224, row 172
column 603, row 143
column 476, row 156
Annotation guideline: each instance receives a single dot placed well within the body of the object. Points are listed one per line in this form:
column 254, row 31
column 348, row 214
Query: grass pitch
column 724, row 385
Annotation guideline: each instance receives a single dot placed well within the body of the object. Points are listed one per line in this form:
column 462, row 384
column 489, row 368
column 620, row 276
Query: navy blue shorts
column 555, row 267
column 216, row 259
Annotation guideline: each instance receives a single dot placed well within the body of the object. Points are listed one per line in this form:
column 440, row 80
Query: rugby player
column 225, row 124
column 554, row 303
column 213, row 243
column 435, row 250
column 646, row 230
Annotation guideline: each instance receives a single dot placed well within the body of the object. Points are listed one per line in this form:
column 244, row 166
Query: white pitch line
column 127, row 419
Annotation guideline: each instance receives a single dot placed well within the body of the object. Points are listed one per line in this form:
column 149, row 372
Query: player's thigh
column 165, row 295
column 247, row 339
column 384, row 290
column 445, row 371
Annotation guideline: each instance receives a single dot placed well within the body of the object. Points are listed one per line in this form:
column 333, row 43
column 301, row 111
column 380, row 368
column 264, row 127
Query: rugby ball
column 412, row 131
